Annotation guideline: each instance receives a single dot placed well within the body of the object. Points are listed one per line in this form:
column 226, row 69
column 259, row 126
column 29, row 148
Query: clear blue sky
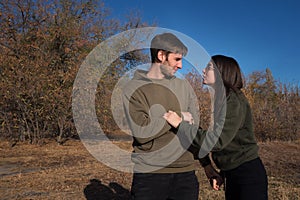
column 258, row 33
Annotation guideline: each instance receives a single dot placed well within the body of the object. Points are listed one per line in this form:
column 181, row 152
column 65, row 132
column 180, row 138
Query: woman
column 236, row 151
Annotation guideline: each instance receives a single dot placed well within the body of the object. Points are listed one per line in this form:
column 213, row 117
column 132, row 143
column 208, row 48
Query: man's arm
column 146, row 123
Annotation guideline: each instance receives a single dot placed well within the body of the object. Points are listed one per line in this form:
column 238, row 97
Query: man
column 163, row 168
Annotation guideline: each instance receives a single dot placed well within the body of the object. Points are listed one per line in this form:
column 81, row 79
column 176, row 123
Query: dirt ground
column 69, row 171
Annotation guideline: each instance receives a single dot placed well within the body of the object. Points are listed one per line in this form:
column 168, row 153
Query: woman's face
column 209, row 74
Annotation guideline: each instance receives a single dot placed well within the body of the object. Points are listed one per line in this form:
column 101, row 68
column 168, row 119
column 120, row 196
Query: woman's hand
column 214, row 177
column 172, row 118
column 188, row 117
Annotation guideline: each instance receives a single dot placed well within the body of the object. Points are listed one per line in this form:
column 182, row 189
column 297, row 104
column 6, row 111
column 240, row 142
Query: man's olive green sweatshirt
column 155, row 143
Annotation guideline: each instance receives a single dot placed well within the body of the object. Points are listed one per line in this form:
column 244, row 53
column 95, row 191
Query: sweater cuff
column 205, row 161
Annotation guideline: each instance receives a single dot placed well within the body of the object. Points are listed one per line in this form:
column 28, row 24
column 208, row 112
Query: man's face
column 171, row 64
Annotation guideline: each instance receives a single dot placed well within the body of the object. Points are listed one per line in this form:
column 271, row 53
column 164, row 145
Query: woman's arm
column 218, row 138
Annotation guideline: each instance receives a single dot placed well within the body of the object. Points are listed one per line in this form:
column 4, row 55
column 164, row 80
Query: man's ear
column 161, row 55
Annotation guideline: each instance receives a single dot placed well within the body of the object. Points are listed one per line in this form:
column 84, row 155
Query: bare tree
column 42, row 44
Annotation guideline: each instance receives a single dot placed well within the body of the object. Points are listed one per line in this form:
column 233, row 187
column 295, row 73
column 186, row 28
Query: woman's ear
column 161, row 56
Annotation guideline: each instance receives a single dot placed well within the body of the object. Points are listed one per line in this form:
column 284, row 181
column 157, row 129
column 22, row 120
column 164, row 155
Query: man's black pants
column 165, row 186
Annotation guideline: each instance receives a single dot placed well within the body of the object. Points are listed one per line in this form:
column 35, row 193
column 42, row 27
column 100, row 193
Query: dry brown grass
column 68, row 171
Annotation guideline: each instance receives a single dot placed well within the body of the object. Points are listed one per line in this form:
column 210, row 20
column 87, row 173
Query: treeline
column 42, row 45
column 275, row 105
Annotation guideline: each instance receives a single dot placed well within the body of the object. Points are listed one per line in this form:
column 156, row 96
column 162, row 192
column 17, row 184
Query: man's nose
column 179, row 65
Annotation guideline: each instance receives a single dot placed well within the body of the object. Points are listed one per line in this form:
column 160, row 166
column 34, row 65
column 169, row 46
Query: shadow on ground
column 95, row 190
